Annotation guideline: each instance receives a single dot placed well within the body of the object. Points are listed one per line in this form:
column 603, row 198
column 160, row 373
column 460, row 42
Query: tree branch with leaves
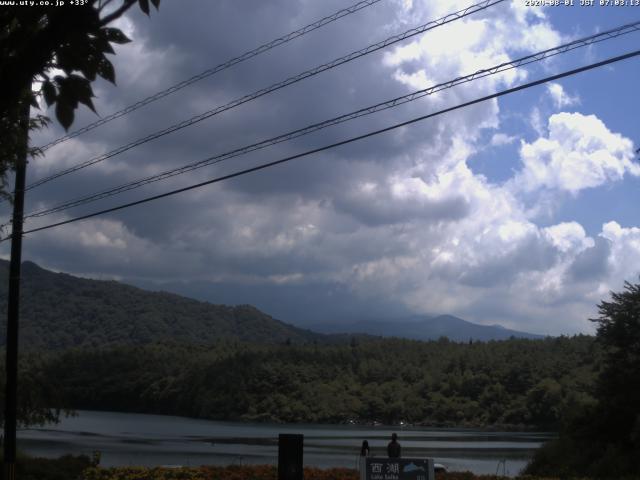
column 74, row 43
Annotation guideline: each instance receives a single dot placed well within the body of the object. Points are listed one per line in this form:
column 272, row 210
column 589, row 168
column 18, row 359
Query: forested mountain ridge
column 61, row 311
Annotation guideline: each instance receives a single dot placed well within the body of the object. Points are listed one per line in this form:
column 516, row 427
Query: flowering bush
column 233, row 472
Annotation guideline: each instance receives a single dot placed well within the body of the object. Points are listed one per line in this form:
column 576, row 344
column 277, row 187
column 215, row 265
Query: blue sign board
column 382, row 468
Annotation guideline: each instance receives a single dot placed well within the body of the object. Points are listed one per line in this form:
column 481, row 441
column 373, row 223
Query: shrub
column 68, row 467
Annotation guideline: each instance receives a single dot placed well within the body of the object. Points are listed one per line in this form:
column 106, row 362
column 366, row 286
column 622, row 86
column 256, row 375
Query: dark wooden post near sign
column 13, row 300
column 290, row 451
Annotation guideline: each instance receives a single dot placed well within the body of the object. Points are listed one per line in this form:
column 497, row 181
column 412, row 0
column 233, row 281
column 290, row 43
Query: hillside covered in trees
column 524, row 383
column 61, row 311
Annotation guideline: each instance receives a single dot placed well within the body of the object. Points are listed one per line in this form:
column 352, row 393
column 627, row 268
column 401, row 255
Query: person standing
column 364, row 450
column 364, row 453
column 393, row 448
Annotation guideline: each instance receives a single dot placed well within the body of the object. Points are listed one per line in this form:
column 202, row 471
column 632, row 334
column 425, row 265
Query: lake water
column 152, row 440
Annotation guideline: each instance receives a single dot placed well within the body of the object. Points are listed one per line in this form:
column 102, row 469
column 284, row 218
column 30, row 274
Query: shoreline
column 511, row 428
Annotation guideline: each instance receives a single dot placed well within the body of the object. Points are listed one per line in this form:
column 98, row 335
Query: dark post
column 290, row 447
column 13, row 307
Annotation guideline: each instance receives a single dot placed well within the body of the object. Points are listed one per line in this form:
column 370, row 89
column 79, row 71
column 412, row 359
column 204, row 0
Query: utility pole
column 13, row 308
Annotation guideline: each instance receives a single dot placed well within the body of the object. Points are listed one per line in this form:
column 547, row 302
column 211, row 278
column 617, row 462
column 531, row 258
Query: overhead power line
column 343, row 142
column 276, row 86
column 218, row 68
column 539, row 56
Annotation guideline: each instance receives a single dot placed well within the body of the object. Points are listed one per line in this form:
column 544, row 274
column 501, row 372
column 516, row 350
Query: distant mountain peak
column 428, row 328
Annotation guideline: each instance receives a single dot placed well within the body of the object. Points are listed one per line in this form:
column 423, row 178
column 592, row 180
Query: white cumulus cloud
column 560, row 97
column 579, row 152
column 625, row 250
column 568, row 236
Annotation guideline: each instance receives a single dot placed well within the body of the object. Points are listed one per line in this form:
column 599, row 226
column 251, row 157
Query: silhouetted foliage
column 602, row 439
column 40, row 400
column 618, row 386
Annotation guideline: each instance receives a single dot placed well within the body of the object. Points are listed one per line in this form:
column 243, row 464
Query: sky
column 521, row 211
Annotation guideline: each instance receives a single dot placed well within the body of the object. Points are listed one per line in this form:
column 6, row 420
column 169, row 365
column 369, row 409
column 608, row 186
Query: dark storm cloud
column 316, row 99
column 380, row 208
column 305, row 304
column 499, row 268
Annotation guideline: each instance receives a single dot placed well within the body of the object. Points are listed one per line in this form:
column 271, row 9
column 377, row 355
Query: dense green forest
column 526, row 383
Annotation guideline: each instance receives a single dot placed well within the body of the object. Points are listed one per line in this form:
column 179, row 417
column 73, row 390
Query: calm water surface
column 151, row 440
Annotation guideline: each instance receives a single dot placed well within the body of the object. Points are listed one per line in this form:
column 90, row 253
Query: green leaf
column 64, row 113
column 115, row 35
column 144, row 6
column 156, row 3
column 106, row 71
column 49, row 93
